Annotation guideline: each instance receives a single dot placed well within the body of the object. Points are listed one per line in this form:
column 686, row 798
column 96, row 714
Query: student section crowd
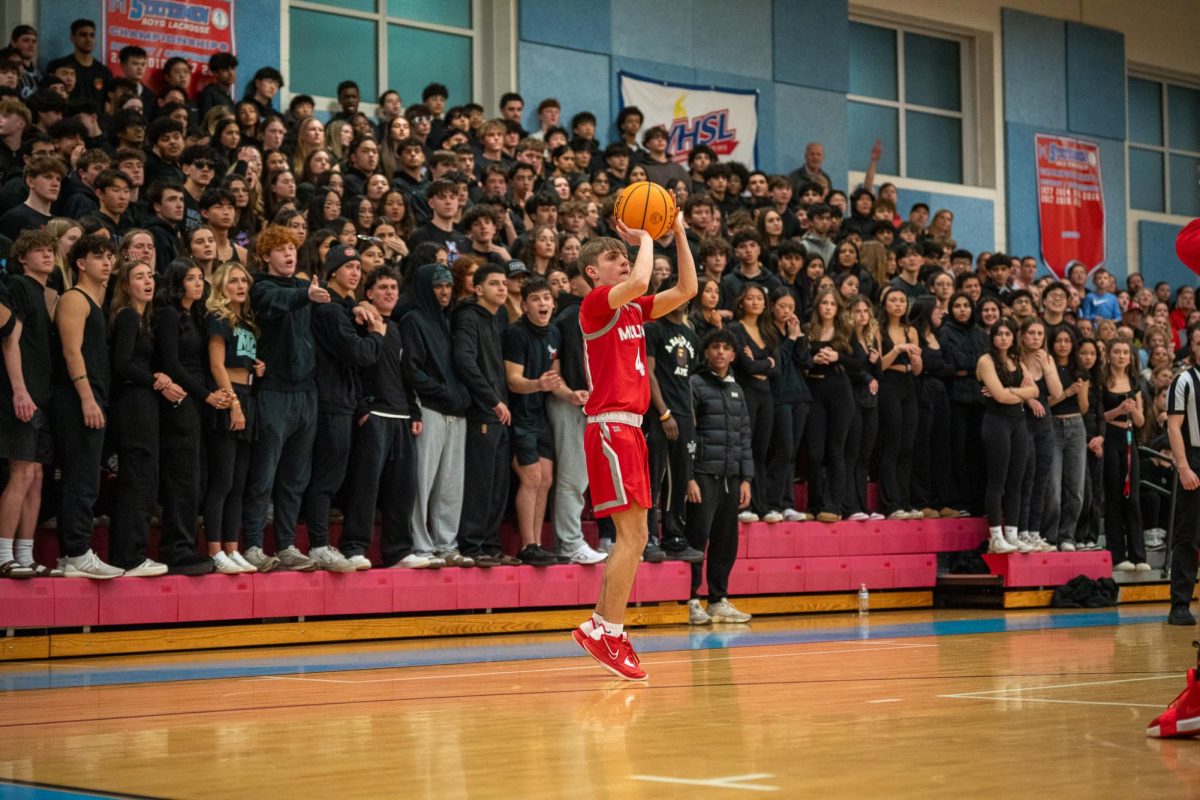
column 254, row 317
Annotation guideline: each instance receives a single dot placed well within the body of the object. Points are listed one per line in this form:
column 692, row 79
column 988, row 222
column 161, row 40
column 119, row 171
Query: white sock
column 24, row 552
column 1010, row 533
column 6, row 551
column 996, row 532
column 612, row 629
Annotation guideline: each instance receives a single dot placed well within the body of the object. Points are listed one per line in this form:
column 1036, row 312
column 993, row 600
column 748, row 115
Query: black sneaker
column 689, row 554
column 192, row 565
column 1180, row 616
column 535, row 556
column 653, row 553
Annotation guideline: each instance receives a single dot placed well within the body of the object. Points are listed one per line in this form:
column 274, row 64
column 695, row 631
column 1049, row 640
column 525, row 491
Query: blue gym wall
column 255, row 31
column 1065, row 79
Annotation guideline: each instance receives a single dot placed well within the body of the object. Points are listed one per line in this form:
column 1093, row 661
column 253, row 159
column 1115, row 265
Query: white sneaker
column 242, row 563
column 412, row 561
column 859, row 516
column 875, row 516
column 772, row 517
column 359, row 562
column 1041, row 545
column 998, row 545
column 747, row 516
column 89, row 565
column 696, row 614
column 1024, row 543
column 586, row 555
column 723, row 611
column 147, row 569
column 1066, row 547
column 1124, row 566
column 225, row 565
column 792, row 515
column 328, row 558
column 435, row 562
column 1142, row 566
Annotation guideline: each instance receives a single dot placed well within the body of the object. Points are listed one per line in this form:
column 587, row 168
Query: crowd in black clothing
column 252, row 317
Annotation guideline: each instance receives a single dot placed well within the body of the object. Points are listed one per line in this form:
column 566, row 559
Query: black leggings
column 1122, row 514
column 761, row 406
column 229, row 455
column 790, row 419
column 1038, row 462
column 968, row 480
column 860, row 446
column 829, row 420
column 897, row 435
column 1005, row 445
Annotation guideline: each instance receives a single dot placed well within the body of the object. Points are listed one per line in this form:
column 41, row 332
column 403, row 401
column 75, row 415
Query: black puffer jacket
column 962, row 345
column 722, row 427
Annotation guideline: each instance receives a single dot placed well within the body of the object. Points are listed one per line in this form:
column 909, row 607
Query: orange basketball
column 646, row 206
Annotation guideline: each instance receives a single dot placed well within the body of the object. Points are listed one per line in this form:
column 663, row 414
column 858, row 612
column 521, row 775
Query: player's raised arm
column 686, row 286
column 638, row 281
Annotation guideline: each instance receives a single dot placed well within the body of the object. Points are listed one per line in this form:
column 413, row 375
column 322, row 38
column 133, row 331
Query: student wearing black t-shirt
column 25, row 436
column 443, row 202
column 530, row 354
column 44, row 177
column 383, row 457
column 567, row 421
column 672, row 354
column 78, row 403
column 232, row 346
column 92, row 78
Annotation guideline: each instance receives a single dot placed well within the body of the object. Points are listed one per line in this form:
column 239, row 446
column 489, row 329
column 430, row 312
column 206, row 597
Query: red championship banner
column 191, row 29
column 1070, row 203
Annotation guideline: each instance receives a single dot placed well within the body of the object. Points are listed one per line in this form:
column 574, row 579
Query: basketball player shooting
column 612, row 316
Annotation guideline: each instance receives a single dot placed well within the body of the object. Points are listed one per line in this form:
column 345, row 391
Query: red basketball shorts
column 618, row 467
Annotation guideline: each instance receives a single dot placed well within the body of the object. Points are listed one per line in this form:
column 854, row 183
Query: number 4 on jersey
column 639, row 366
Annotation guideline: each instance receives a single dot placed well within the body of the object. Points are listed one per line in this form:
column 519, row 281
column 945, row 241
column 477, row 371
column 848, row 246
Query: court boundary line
column 588, row 666
column 82, row 791
column 1003, row 698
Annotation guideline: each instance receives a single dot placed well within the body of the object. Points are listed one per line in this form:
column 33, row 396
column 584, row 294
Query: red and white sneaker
column 614, row 653
column 1182, row 717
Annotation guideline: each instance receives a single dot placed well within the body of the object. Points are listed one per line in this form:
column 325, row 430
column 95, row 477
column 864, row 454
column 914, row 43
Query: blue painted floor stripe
column 53, row 675
column 18, row 791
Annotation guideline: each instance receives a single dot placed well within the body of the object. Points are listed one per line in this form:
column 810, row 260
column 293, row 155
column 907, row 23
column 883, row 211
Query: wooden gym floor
column 909, row 704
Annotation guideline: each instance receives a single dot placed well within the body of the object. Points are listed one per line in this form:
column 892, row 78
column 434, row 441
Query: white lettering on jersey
column 631, row 332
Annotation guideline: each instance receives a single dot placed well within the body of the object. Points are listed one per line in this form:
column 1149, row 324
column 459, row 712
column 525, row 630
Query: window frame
column 1164, row 81
column 485, row 19
column 968, row 110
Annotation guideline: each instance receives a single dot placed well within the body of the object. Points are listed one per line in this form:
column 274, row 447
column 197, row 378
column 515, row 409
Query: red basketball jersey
column 614, row 349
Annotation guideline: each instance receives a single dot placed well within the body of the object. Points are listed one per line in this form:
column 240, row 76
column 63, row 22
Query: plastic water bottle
column 864, row 601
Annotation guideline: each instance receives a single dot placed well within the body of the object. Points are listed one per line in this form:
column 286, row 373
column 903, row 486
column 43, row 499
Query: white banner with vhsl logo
column 724, row 119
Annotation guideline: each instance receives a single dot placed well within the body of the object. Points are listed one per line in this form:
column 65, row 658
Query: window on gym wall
column 1164, row 147
column 382, row 44
column 906, row 89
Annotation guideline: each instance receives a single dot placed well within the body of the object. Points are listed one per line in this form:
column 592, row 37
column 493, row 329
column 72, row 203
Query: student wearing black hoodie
column 428, row 369
column 287, row 400
column 340, row 353
column 479, row 362
column 963, row 342
column 384, row 452
column 166, row 201
column 862, row 211
column 748, row 249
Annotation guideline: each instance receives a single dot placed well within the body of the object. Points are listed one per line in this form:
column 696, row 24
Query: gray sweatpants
column 440, row 450
column 570, row 472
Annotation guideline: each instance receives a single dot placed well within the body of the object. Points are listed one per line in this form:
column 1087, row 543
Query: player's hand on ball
column 631, row 235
